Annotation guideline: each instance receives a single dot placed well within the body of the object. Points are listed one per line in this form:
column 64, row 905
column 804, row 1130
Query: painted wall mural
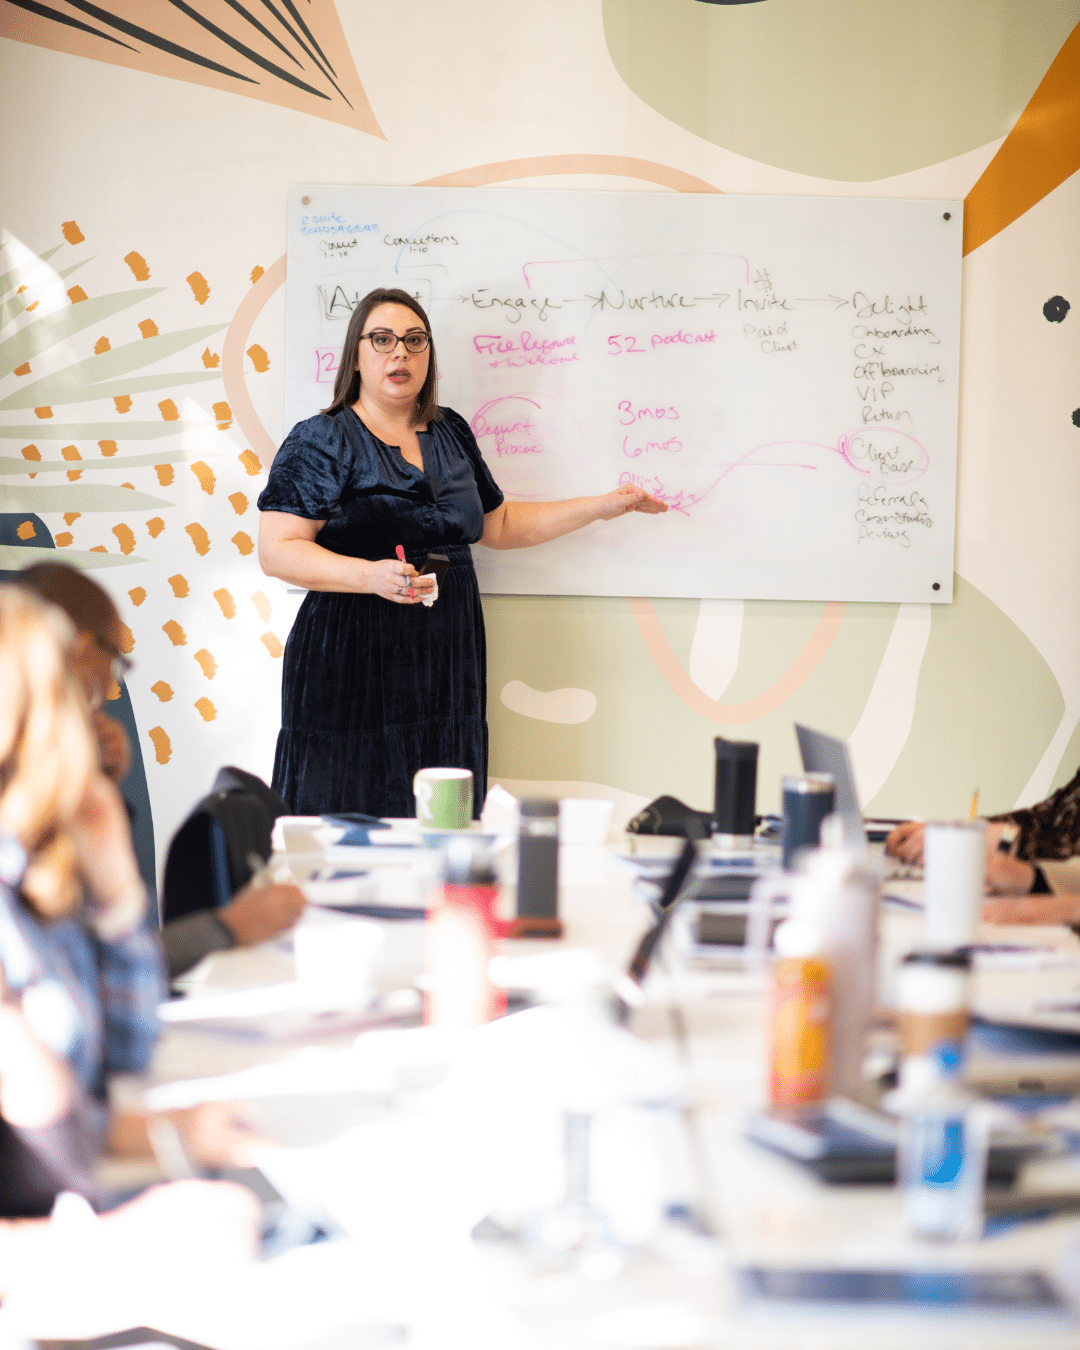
column 142, row 200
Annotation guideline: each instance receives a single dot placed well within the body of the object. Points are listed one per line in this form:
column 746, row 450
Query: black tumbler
column 736, row 793
column 808, row 799
column 538, row 870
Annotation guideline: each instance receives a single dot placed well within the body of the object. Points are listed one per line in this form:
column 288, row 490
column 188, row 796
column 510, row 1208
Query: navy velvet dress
column 372, row 691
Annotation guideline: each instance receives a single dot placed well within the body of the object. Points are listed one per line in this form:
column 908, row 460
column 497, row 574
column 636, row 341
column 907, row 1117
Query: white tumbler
column 954, row 861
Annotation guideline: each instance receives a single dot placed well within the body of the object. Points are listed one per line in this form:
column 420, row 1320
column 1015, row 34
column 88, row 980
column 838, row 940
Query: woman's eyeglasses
column 385, row 342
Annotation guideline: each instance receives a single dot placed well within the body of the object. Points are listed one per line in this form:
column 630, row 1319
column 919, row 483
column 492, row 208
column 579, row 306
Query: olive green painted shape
column 18, row 304
column 76, row 497
column 14, row 559
column 1070, row 760
column 46, row 332
column 644, row 739
column 853, row 90
column 986, row 708
column 95, row 431
column 84, row 379
column 8, row 465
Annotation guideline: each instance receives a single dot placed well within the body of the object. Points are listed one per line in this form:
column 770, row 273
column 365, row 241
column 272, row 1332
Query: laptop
column 829, row 754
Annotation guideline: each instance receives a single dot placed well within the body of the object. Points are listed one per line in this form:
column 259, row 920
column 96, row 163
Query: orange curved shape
column 735, row 714
column 232, row 362
column 541, row 166
column 1041, row 151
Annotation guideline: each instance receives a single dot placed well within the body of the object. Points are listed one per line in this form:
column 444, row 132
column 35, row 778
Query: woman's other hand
column 259, row 913
column 629, row 497
column 398, row 582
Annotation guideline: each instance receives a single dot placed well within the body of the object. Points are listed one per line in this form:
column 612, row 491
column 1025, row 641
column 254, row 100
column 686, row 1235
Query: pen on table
column 401, row 558
column 974, row 804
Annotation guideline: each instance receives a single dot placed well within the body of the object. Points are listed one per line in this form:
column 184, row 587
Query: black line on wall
column 152, row 39
column 44, row 12
column 238, row 46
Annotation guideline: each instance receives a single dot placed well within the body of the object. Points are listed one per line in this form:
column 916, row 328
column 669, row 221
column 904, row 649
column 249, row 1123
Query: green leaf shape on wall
column 46, row 332
column 95, row 431
column 85, row 379
column 13, row 277
column 76, row 497
column 15, row 559
column 19, row 304
column 10, row 465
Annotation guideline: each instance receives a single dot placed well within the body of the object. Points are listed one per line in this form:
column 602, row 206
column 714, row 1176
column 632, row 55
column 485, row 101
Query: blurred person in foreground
column 1032, row 858
column 80, row 977
column 257, row 913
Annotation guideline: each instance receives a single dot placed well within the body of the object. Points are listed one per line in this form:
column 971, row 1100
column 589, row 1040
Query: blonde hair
column 47, row 752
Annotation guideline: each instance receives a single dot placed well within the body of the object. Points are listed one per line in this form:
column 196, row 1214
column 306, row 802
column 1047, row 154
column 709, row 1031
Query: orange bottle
column 800, row 1017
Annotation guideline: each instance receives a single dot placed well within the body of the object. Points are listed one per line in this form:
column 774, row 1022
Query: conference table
column 423, row 1155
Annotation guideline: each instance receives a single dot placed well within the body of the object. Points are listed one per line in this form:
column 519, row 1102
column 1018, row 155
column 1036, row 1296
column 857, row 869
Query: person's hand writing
column 398, row 582
column 1033, row 909
column 629, row 497
column 114, row 751
column 906, row 843
column 259, row 913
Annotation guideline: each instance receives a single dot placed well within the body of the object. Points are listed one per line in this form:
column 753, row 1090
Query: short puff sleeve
column 309, row 472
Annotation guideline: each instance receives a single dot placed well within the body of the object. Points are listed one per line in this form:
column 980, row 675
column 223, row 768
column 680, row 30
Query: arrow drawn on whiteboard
column 837, row 300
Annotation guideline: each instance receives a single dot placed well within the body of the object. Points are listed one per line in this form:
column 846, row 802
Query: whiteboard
column 782, row 371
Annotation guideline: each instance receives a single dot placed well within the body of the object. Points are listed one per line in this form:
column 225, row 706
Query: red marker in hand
column 401, row 558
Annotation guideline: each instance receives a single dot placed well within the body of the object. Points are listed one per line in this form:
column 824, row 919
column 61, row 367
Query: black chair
column 208, row 859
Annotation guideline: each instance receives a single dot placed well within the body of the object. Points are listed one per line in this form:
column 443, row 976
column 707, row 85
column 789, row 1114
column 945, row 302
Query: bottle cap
column 539, row 806
column 955, row 958
column 468, row 863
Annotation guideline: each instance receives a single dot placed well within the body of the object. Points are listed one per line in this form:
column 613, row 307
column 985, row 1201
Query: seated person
column 80, row 978
column 1032, row 851
column 256, row 913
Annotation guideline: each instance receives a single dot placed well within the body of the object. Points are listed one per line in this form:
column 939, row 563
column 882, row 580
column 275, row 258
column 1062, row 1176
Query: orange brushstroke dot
column 174, row 633
column 31, row 452
column 137, row 595
column 272, row 643
column 205, row 475
column 223, row 416
column 251, row 462
column 169, row 411
column 127, row 485
column 243, row 543
column 43, row 412
column 179, row 586
column 127, row 639
column 101, row 346
column 114, row 692
column 99, row 548
column 64, row 540
column 72, row 233
column 239, row 502
column 123, row 402
column 76, row 294
column 33, row 306
column 207, row 664
column 199, row 538
column 21, row 289
column 148, row 328
column 161, row 743
column 164, row 474
column 107, row 448
column 199, row 289
column 259, row 358
column 70, row 452
column 227, row 603
column 211, row 360
column 205, row 709
column 163, row 690
column 74, row 475
column 26, row 530
column 262, row 605
column 155, row 526
column 24, row 369
column 256, row 273
column 125, row 537
column 137, row 263
column 70, row 517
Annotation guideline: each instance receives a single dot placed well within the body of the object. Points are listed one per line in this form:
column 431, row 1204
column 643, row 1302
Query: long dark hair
column 347, row 384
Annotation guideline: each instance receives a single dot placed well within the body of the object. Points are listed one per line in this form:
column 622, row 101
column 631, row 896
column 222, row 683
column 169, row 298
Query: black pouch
column 668, row 815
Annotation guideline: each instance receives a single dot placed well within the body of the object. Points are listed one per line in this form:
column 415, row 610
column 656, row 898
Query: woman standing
column 375, row 684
